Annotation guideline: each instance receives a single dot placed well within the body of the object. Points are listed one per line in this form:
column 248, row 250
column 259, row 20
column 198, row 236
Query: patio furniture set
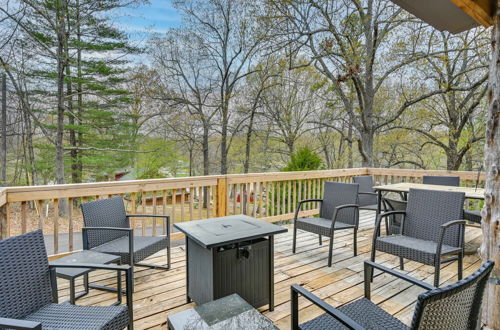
column 230, row 265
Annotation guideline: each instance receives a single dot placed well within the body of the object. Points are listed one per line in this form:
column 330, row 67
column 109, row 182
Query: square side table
column 87, row 256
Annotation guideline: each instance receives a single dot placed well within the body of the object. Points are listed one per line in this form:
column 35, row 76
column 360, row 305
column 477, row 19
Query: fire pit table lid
column 226, row 230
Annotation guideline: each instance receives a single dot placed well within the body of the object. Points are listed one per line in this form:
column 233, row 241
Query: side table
column 87, row 256
column 230, row 312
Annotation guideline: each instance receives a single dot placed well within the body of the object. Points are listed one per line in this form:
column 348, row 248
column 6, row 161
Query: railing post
column 221, row 206
column 4, row 221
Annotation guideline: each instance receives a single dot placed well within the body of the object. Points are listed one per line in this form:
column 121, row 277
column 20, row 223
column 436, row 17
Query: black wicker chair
column 28, row 289
column 431, row 229
column 367, row 195
column 441, row 180
column 107, row 230
column 338, row 210
column 456, row 306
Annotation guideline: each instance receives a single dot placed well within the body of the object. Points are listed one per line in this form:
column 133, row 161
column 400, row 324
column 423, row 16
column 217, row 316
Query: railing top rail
column 464, row 175
column 28, row 193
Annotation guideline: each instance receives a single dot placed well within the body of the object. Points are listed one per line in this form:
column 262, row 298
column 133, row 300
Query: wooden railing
column 269, row 196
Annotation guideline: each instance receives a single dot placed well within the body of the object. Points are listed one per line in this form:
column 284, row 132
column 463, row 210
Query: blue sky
column 156, row 17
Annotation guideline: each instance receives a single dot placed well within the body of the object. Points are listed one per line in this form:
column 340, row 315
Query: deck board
column 159, row 293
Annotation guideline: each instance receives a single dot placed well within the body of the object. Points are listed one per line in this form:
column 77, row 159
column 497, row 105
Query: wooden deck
column 160, row 293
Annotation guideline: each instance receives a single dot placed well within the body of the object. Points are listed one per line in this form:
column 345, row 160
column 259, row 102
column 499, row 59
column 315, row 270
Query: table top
column 231, row 312
column 406, row 186
column 83, row 257
column 226, row 230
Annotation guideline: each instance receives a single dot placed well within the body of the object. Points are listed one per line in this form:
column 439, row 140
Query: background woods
column 236, row 87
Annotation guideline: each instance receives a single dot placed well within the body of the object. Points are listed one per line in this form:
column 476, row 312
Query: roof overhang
column 451, row 15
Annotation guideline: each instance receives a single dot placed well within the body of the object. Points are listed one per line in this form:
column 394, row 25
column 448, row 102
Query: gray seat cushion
column 67, row 316
column 412, row 248
column 319, row 225
column 364, row 312
column 144, row 246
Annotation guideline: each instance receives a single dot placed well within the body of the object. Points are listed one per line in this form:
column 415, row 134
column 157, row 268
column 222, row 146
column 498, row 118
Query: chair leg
column 169, row 254
column 386, row 227
column 372, row 258
column 355, row 242
column 437, row 269
column 460, row 265
column 401, row 263
column 320, row 240
column 294, row 239
column 330, row 251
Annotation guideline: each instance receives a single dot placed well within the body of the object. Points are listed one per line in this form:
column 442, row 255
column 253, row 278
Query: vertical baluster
column 70, row 224
column 143, row 208
column 235, row 197
column 255, row 203
column 155, row 195
column 56, row 226
column 164, row 210
column 278, row 198
column 174, row 204
column 209, row 201
column 267, row 199
column 23, row 217
column 289, row 199
column 192, row 194
column 183, row 200
column 272, row 192
column 133, row 199
column 40, row 214
column 247, row 198
column 200, row 202
column 294, row 198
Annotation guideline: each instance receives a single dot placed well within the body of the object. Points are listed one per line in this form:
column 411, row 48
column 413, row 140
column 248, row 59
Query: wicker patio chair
column 366, row 194
column 28, row 289
column 456, row 306
column 441, row 180
column 431, row 229
column 338, row 210
column 107, row 230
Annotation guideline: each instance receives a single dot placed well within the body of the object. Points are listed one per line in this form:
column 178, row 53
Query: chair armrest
column 367, row 193
column 305, row 201
column 368, row 268
column 383, row 215
column 330, row 310
column 445, row 226
column 107, row 228
column 18, row 324
column 147, row 216
column 347, row 206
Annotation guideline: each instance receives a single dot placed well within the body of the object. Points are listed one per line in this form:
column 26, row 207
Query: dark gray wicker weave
column 367, row 195
column 456, row 306
column 107, row 230
column 472, row 215
column 28, row 289
column 441, row 180
column 430, row 230
column 339, row 210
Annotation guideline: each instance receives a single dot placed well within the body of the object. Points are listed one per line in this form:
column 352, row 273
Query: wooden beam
column 479, row 10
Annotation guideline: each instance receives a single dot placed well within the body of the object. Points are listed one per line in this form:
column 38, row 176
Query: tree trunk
column 223, row 143
column 61, row 65
column 4, row 130
column 366, row 149
column 490, row 248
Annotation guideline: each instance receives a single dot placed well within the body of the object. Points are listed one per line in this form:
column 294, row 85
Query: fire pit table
column 227, row 255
